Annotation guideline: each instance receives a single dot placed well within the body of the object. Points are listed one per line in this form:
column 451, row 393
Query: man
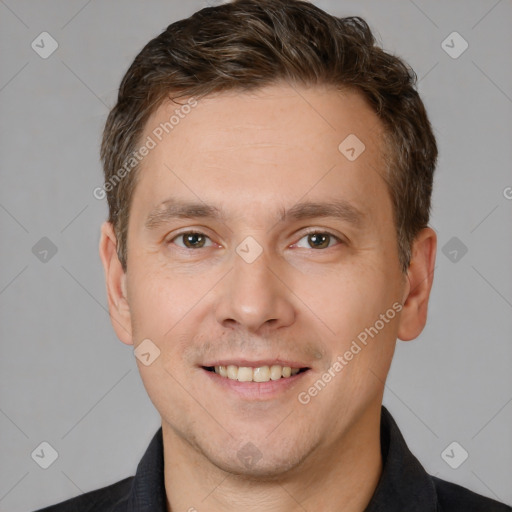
column 268, row 171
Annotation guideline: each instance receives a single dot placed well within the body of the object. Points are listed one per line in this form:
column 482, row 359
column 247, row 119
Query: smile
column 258, row 374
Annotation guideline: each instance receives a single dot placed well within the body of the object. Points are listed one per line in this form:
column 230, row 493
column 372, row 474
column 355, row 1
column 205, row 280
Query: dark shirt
column 404, row 485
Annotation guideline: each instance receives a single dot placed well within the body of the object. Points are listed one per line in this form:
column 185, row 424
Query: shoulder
column 106, row 499
column 453, row 497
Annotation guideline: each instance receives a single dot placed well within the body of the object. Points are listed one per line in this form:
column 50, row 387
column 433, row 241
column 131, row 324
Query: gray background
column 67, row 380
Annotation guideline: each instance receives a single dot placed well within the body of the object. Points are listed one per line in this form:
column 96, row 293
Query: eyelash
column 310, row 232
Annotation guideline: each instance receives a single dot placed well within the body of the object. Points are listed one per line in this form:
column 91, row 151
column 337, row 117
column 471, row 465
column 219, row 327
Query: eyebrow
column 177, row 209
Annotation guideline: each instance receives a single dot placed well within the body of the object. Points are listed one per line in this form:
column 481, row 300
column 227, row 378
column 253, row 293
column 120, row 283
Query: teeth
column 232, row 372
column 245, row 374
column 260, row 374
column 275, row 372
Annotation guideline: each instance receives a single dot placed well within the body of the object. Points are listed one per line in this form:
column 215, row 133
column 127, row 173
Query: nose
column 254, row 296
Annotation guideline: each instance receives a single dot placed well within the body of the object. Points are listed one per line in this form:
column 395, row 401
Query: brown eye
column 191, row 240
column 318, row 240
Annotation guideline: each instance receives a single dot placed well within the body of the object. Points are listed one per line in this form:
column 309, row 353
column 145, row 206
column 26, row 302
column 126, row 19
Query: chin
column 261, row 471
column 248, row 462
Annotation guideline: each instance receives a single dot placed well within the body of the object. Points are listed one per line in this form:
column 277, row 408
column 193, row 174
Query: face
column 261, row 249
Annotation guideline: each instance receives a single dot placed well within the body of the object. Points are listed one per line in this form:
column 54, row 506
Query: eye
column 198, row 240
column 318, row 240
column 191, row 240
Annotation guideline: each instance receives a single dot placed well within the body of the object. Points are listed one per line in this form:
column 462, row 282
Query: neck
column 342, row 474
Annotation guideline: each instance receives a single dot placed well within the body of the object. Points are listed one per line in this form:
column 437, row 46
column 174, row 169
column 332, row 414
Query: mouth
column 262, row 373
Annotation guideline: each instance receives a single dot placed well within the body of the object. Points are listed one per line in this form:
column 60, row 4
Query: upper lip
column 255, row 363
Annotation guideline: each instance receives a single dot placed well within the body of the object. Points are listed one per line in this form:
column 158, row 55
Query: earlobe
column 420, row 276
column 115, row 280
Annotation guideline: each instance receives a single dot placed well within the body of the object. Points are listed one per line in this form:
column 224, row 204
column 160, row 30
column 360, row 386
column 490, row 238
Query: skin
column 253, row 155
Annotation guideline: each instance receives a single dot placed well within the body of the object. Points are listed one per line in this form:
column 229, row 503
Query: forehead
column 277, row 144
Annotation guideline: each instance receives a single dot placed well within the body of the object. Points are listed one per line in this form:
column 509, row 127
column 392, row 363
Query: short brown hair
column 249, row 44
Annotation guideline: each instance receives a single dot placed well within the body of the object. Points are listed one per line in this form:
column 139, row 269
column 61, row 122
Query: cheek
column 347, row 299
column 352, row 307
column 160, row 299
column 151, row 308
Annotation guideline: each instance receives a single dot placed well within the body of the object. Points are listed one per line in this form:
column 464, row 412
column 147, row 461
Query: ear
column 115, row 279
column 420, row 276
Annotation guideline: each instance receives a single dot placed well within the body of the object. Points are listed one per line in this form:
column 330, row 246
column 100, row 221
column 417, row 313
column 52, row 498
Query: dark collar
column 403, row 485
column 148, row 486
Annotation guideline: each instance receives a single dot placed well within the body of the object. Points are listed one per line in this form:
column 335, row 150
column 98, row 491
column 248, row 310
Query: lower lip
column 256, row 390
